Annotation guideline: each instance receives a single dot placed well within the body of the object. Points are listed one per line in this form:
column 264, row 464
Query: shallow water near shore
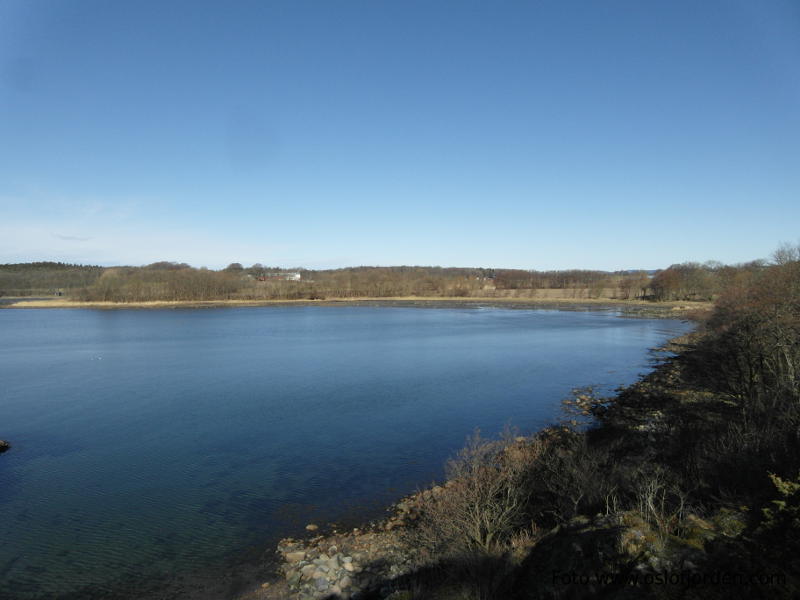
column 165, row 443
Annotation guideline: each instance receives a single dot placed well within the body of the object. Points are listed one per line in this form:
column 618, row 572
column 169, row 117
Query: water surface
column 154, row 443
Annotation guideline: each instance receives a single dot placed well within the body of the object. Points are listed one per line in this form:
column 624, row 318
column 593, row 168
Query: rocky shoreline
column 383, row 562
column 369, row 562
column 4, row 445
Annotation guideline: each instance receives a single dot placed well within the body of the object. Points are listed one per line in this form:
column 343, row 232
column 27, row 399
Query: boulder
column 4, row 445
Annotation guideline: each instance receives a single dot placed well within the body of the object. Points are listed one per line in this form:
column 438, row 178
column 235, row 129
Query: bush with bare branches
column 485, row 504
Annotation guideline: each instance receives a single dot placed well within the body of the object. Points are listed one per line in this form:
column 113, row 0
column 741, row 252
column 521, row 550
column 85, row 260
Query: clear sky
column 592, row 134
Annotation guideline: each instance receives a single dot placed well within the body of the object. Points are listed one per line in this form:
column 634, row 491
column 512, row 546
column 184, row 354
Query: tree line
column 172, row 281
column 45, row 278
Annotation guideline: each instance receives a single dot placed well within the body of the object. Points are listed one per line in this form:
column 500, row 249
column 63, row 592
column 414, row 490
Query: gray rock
column 307, row 571
column 321, row 584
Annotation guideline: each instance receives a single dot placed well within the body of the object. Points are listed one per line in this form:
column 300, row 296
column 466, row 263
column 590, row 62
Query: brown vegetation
column 45, row 278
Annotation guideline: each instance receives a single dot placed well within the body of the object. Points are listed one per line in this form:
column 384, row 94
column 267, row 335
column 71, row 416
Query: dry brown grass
column 540, row 299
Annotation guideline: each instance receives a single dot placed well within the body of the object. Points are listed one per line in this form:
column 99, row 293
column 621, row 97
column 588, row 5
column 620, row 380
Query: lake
column 177, row 444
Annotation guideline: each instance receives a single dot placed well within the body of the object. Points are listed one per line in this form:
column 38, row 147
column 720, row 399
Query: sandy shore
column 437, row 302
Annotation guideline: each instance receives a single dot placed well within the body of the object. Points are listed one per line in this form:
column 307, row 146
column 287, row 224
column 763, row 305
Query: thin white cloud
column 115, row 244
column 71, row 238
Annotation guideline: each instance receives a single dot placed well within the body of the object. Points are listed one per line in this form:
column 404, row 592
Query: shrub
column 485, row 503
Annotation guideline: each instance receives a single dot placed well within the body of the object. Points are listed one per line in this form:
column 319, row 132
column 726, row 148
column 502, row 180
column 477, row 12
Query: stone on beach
column 294, row 557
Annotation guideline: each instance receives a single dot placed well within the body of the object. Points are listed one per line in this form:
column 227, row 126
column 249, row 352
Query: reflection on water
column 155, row 443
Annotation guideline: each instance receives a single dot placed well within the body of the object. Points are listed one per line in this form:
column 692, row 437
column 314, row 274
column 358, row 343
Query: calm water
column 166, row 442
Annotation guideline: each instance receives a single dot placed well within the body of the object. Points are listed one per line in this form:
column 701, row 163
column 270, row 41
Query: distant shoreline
column 663, row 309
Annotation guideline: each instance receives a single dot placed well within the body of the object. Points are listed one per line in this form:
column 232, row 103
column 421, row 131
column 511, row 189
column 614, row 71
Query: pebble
column 321, row 584
column 294, row 557
column 307, row 570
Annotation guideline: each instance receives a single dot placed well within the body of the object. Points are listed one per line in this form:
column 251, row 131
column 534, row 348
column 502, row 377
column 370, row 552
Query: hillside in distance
column 175, row 282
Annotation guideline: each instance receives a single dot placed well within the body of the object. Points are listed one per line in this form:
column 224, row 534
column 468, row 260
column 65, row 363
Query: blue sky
column 541, row 135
